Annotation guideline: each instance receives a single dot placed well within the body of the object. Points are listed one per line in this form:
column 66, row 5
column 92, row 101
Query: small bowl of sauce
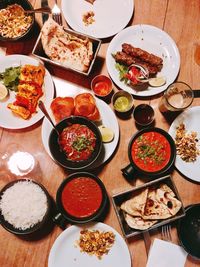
column 102, row 86
column 122, row 102
column 143, row 114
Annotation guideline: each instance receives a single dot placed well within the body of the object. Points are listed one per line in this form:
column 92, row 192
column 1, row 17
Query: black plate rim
column 187, row 248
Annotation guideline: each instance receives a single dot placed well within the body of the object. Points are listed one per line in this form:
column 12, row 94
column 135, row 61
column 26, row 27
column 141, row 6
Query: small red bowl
column 102, row 86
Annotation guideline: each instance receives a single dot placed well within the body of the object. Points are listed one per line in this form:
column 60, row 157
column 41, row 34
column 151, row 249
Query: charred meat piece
column 127, row 60
column 142, row 54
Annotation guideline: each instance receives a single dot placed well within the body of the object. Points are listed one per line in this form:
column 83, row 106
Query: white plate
column 108, row 119
column 106, row 24
column 190, row 118
column 7, row 118
column 153, row 40
column 65, row 252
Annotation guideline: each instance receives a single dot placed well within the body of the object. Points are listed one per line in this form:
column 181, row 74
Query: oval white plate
column 108, row 119
column 106, row 24
column 190, row 118
column 65, row 251
column 7, row 118
column 153, row 40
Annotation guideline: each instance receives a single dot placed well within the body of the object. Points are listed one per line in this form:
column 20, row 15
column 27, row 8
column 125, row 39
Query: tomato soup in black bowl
column 82, row 198
column 151, row 152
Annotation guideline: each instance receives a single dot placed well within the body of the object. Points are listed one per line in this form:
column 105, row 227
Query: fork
column 166, row 233
column 56, row 14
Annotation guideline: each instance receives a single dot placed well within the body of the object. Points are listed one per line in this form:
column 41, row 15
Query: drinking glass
column 177, row 97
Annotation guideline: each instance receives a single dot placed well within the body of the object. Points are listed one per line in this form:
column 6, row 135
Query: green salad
column 10, row 77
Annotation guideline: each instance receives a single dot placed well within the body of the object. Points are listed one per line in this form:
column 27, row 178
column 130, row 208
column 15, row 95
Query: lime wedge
column 106, row 133
column 158, row 81
column 3, row 91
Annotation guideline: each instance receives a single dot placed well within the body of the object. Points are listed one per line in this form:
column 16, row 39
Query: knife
column 44, row 3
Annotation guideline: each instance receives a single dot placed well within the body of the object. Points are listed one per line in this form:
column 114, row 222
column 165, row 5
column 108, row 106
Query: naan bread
column 66, row 48
column 161, row 203
column 138, row 222
column 135, row 206
column 149, row 205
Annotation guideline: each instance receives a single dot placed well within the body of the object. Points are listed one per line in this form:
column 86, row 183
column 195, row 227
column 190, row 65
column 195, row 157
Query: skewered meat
column 127, row 60
column 141, row 54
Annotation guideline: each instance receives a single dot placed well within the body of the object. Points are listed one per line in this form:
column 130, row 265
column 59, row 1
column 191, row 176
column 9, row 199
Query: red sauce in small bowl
column 151, row 151
column 81, row 197
column 101, row 85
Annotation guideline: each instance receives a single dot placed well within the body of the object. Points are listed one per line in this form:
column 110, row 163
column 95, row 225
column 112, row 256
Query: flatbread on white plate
column 66, row 48
column 138, row 222
column 135, row 206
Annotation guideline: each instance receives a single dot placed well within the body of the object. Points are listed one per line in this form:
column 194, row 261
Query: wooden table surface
column 181, row 20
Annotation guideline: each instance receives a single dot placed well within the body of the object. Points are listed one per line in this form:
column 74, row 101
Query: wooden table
column 181, row 20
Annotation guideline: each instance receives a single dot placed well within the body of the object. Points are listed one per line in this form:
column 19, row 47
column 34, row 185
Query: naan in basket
column 65, row 48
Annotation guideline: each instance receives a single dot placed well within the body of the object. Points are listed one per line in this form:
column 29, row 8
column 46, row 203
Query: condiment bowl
column 82, row 198
column 26, row 5
column 102, row 86
column 143, row 114
column 59, row 154
column 122, row 102
column 38, row 226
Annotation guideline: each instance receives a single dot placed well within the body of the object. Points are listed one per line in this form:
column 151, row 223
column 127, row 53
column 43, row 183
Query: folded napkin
column 166, row 254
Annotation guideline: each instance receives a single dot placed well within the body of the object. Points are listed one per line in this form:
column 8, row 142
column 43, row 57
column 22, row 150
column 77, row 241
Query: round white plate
column 106, row 24
column 153, row 40
column 7, row 118
column 190, row 118
column 108, row 119
column 65, row 251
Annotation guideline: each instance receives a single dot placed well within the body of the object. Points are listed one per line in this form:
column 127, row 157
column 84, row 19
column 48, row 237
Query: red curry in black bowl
column 151, row 152
column 76, row 144
column 82, row 198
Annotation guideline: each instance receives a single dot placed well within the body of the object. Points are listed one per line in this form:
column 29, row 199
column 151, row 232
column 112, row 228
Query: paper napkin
column 165, row 254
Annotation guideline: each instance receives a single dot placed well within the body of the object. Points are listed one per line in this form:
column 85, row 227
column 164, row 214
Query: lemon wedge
column 106, row 133
column 3, row 91
column 158, row 81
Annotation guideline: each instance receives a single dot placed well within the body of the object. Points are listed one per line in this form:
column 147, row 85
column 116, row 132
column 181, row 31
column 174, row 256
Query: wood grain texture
column 181, row 20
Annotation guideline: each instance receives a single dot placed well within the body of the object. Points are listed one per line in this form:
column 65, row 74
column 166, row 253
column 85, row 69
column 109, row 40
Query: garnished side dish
column 187, row 146
column 78, row 142
column 131, row 55
column 151, row 151
column 82, row 105
column 149, row 205
column 66, row 48
column 14, row 22
column 95, row 242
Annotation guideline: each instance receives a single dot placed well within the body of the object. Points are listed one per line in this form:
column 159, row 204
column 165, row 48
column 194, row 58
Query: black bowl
column 59, row 155
column 189, row 231
column 10, row 228
column 129, row 170
column 97, row 215
column 26, row 5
